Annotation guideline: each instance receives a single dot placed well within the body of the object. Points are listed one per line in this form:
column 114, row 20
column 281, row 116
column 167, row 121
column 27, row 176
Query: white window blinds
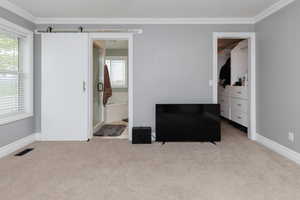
column 117, row 67
column 11, row 77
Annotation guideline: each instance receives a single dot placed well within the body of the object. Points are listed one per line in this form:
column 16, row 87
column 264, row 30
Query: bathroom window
column 117, row 68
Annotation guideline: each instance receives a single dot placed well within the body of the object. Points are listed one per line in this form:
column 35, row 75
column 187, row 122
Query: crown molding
column 272, row 9
column 144, row 21
column 17, row 10
column 41, row 20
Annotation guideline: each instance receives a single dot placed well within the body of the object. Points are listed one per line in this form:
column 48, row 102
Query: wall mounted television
column 188, row 122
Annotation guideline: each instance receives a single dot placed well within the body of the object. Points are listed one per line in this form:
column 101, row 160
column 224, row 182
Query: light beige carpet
column 235, row 169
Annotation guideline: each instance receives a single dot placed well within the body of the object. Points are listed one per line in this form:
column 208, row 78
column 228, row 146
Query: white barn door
column 64, row 77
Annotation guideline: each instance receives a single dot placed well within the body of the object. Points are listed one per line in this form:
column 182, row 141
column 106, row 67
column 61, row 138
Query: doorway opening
column 234, row 80
column 110, row 88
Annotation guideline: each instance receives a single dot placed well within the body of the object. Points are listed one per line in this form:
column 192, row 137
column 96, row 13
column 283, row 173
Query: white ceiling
column 144, row 8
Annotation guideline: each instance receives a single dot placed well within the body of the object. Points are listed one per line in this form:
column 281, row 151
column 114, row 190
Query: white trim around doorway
column 251, row 73
column 111, row 36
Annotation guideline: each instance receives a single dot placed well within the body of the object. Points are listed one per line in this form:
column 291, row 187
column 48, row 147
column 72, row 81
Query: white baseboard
column 12, row 147
column 38, row 137
column 278, row 148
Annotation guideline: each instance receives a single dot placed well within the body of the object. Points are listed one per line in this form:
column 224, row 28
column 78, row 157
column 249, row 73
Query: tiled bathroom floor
column 124, row 135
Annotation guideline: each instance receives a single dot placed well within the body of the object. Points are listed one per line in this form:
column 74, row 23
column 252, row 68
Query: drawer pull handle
column 239, row 92
column 239, row 117
column 239, row 104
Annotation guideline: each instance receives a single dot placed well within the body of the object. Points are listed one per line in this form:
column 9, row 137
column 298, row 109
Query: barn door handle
column 84, row 86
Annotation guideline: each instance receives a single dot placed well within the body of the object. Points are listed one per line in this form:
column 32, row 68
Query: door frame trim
column 251, row 73
column 110, row 36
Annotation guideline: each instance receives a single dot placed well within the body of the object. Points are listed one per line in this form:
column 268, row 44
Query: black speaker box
column 141, row 135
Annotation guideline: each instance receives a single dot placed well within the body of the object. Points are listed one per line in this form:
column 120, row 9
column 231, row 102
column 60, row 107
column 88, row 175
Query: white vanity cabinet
column 239, row 105
column 233, row 102
column 224, row 101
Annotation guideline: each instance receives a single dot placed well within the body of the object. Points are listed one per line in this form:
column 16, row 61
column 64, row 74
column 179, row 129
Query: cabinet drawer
column 225, row 111
column 224, row 100
column 224, row 91
column 239, row 92
column 240, row 118
column 240, row 105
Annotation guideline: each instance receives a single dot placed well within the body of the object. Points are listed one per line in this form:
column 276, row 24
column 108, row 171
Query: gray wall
column 16, row 130
column 172, row 64
column 278, row 93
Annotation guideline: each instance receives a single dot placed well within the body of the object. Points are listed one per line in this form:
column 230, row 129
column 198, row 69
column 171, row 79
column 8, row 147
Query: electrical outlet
column 291, row 137
column 210, row 83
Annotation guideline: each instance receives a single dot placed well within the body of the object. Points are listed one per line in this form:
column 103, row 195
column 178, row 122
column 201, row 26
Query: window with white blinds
column 11, row 76
column 16, row 88
column 117, row 68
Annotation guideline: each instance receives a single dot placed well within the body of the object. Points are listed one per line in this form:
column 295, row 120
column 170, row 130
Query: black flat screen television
column 188, row 122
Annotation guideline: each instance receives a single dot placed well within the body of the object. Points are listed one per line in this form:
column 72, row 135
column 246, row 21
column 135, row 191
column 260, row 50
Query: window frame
column 126, row 70
column 26, row 61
